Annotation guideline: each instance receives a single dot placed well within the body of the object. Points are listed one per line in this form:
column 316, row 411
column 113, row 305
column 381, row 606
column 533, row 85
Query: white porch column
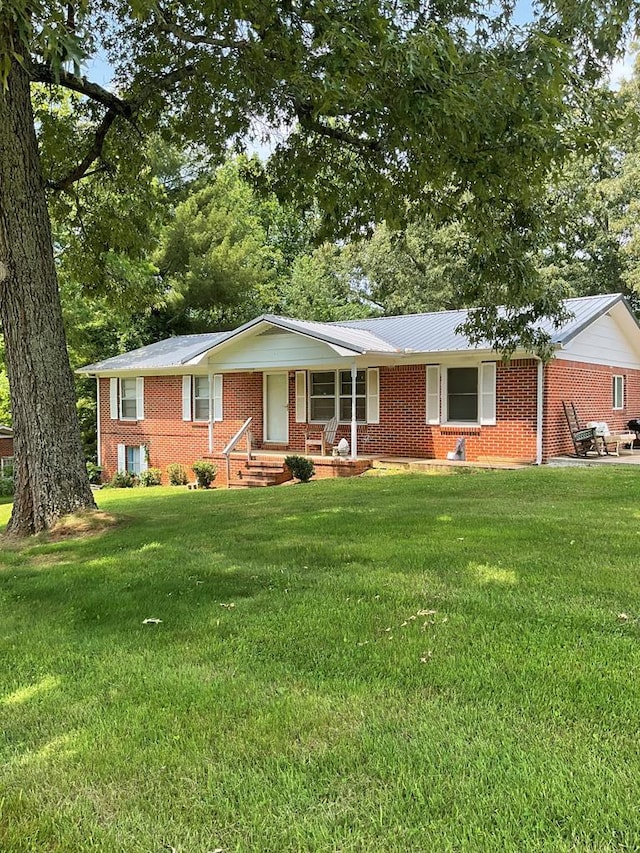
column 354, row 423
column 210, row 425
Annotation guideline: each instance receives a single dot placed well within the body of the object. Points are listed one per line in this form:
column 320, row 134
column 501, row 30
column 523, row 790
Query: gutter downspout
column 539, row 412
column 98, row 441
column 354, row 424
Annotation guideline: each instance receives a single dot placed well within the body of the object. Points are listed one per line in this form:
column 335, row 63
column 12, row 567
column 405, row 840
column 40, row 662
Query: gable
column 271, row 348
column 612, row 339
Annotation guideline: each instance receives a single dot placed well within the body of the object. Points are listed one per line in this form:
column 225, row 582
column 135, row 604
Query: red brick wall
column 168, row 437
column 402, row 430
column 590, row 388
column 6, row 447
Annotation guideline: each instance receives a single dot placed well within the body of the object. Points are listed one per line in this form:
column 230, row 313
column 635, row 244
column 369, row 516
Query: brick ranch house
column 406, row 386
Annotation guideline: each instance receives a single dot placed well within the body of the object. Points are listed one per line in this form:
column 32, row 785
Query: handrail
column 244, row 430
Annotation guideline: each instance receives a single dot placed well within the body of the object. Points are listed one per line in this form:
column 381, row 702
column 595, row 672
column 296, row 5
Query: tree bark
column 51, row 477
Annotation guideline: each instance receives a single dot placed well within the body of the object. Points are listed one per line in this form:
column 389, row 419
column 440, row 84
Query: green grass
column 398, row 664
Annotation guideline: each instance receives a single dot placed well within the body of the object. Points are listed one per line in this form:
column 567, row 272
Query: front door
column 276, row 407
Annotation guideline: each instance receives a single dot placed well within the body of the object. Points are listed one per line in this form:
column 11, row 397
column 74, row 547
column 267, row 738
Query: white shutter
column 144, row 462
column 186, row 398
column 217, row 396
column 433, row 394
column 122, row 458
column 301, row 397
column 113, row 399
column 139, row 398
column 488, row 393
column 373, row 395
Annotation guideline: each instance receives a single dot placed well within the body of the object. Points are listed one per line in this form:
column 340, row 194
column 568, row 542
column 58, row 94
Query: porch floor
column 626, row 458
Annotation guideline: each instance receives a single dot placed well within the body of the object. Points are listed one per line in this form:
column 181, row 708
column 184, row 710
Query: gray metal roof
column 341, row 334
column 423, row 333
column 436, row 331
column 171, row 352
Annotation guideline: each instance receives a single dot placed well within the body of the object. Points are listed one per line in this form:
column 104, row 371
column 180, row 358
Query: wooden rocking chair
column 323, row 440
column 584, row 438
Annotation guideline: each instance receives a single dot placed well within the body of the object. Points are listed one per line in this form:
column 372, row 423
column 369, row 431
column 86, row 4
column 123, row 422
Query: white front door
column 276, row 407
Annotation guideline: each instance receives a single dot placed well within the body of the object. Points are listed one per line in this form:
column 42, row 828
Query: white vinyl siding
column 373, row 395
column 488, row 393
column 301, row 397
column 618, row 391
column 433, row 394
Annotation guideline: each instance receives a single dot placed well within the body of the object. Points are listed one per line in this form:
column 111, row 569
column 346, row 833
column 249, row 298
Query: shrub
column 6, row 486
column 301, row 468
column 123, row 480
column 151, row 477
column 205, row 473
column 95, row 473
column 177, row 474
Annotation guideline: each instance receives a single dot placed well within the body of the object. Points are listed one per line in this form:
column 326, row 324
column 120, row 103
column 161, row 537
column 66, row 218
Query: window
column 618, row 392
column 345, row 396
column 201, row 398
column 469, row 394
column 322, row 396
column 330, row 395
column 132, row 459
column 128, row 399
column 462, row 394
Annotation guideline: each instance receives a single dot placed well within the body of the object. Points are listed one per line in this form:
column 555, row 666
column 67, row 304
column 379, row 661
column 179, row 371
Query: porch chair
column 610, row 442
column 322, row 440
column 584, row 438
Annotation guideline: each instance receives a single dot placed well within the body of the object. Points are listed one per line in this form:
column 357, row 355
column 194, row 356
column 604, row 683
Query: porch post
column 354, row 423
column 210, row 425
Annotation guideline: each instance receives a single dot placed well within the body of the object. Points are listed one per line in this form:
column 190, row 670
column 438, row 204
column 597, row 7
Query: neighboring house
column 6, row 447
column 406, row 386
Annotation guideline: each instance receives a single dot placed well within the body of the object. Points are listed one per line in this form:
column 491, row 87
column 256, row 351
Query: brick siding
column 590, row 388
column 6, row 447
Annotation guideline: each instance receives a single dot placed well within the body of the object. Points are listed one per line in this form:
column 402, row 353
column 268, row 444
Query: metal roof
column 421, row 333
column 436, row 331
column 171, row 352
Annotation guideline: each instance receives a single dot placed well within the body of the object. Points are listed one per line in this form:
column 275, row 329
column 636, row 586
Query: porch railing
column 243, row 431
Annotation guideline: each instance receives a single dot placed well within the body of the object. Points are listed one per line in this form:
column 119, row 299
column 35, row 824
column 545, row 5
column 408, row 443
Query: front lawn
column 399, row 664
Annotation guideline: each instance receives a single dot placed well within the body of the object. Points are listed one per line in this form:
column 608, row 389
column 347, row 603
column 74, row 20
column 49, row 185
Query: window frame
column 618, row 392
column 337, row 396
column 457, row 422
column 135, row 449
column 195, row 398
column 123, row 398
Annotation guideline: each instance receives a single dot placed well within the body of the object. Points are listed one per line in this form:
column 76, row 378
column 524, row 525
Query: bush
column 205, row 473
column 151, row 477
column 123, row 480
column 301, row 468
column 177, row 474
column 6, row 486
column 95, row 473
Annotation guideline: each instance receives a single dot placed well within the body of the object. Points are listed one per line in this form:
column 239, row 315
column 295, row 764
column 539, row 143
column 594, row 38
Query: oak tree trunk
column 51, row 477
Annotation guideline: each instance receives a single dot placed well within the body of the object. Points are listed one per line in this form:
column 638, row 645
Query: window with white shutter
column 433, row 393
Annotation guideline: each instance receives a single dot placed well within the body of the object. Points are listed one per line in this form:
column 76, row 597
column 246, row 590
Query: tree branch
column 42, row 73
column 126, row 108
column 309, row 123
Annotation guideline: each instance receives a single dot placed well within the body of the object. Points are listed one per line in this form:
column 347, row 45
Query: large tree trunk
column 51, row 477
